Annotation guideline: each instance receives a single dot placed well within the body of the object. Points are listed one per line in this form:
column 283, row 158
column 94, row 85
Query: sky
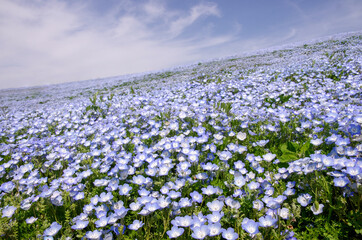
column 55, row 41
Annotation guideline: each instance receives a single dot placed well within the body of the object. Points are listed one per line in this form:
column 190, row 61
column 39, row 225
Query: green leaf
column 288, row 157
column 291, row 147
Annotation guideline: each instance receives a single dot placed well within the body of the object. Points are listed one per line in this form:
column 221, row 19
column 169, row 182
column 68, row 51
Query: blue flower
column 124, row 189
column 283, row 213
column 229, row 234
column 196, row 196
column 175, row 232
column 53, row 229
column 340, row 181
column 317, row 208
column 209, row 190
column 214, row 229
column 353, row 171
column 253, row 185
column 79, row 224
column 31, row 220
column 215, row 217
column 7, row 187
column 93, row 235
column 215, row 206
column 267, row 221
column 135, row 225
column 105, row 197
column 250, row 226
column 258, row 205
column 102, row 222
column 304, row 199
column 354, row 129
column 8, row 211
column 200, row 232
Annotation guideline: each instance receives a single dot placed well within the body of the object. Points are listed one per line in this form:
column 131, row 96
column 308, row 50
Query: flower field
column 262, row 146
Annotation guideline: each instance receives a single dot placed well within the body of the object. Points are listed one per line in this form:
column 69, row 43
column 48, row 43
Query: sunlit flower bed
column 269, row 151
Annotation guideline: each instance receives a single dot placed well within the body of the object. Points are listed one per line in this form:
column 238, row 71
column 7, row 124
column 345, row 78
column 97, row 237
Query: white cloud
column 196, row 12
column 44, row 42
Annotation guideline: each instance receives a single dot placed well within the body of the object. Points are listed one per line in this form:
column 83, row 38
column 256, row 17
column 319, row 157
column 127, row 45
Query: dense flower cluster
column 232, row 151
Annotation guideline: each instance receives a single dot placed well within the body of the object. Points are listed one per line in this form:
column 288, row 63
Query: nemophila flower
column 124, row 189
column 224, row 155
column 202, row 176
column 327, row 161
column 163, row 170
column 241, row 136
column 173, row 194
column 164, row 202
column 8, row 211
column 353, row 171
column 354, row 129
column 200, row 232
column 81, row 217
column 88, row 208
column 185, row 202
column 317, row 208
column 258, row 205
column 232, row 203
column 290, row 184
column 152, row 206
column 209, row 166
column 185, row 221
column 253, row 185
column 196, row 196
column 215, row 206
column 102, row 222
column 229, row 234
column 53, row 229
column 316, row 142
column 289, row 192
column 214, row 217
column 283, row 213
column 145, row 199
column 340, row 181
column 272, row 204
column 79, row 224
column 113, row 218
column 31, row 220
column 93, row 235
column 101, row 182
column 304, row 199
column 269, row 191
column 79, row 196
column 121, row 213
column 214, row 229
column 139, row 180
column 196, row 222
column 269, row 157
column 209, row 190
column 342, row 142
column 210, row 156
column 200, row 217
column 239, row 164
column 135, row 225
column 7, row 187
column 267, row 221
column 280, row 199
column 250, row 226
column 175, row 232
column 239, row 181
column 262, row 143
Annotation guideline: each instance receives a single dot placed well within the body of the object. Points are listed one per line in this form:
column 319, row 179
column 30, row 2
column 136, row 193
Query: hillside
column 264, row 144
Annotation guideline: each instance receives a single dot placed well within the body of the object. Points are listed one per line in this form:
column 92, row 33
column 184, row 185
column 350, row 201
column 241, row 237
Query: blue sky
column 54, row 41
